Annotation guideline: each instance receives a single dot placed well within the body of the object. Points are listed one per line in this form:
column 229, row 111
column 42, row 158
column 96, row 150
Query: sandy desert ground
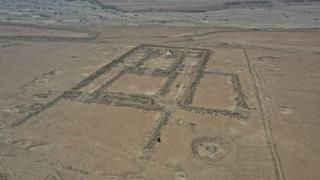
column 159, row 101
column 232, row 13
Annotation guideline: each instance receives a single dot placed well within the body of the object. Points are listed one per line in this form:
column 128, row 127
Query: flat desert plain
column 158, row 102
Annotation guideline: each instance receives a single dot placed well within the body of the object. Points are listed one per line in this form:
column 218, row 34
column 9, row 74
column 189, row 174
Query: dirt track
column 160, row 103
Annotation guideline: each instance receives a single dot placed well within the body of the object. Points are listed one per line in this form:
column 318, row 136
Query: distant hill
column 180, row 5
